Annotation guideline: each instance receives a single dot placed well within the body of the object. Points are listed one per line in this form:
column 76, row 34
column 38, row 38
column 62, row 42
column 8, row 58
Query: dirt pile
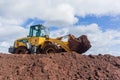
column 62, row 66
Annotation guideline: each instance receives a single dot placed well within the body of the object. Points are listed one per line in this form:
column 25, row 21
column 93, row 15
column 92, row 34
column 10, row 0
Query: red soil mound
column 62, row 66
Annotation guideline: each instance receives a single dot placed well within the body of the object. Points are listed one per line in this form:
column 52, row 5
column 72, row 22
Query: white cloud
column 63, row 13
column 58, row 12
column 10, row 30
column 45, row 10
column 96, row 7
column 4, row 46
column 60, row 32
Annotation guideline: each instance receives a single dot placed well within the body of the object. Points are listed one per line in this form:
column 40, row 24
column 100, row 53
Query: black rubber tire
column 50, row 49
column 21, row 50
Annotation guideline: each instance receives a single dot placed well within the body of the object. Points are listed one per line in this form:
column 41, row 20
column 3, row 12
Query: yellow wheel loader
column 38, row 41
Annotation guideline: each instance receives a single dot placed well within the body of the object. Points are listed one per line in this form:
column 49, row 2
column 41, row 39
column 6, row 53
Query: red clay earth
column 59, row 66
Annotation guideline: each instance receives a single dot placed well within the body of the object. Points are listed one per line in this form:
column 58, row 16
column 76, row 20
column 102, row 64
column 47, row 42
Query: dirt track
column 62, row 66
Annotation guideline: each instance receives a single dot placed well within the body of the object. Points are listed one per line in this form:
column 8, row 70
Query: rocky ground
column 59, row 66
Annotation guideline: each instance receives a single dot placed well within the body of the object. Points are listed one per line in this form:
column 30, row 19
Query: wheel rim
column 50, row 50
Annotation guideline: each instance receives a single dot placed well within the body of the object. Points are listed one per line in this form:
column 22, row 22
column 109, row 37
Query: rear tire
column 21, row 50
column 50, row 49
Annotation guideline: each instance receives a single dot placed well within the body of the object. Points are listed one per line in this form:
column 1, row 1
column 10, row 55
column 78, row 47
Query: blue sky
column 97, row 19
column 104, row 22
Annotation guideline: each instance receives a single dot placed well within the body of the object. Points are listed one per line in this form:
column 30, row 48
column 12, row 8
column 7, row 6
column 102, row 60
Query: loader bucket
column 80, row 44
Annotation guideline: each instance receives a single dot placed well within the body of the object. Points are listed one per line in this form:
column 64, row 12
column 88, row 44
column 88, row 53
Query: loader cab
column 38, row 31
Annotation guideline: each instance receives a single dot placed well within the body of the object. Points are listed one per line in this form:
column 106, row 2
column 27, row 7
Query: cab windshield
column 38, row 31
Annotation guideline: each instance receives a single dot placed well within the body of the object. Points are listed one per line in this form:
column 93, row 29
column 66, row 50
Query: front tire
column 50, row 49
column 21, row 50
